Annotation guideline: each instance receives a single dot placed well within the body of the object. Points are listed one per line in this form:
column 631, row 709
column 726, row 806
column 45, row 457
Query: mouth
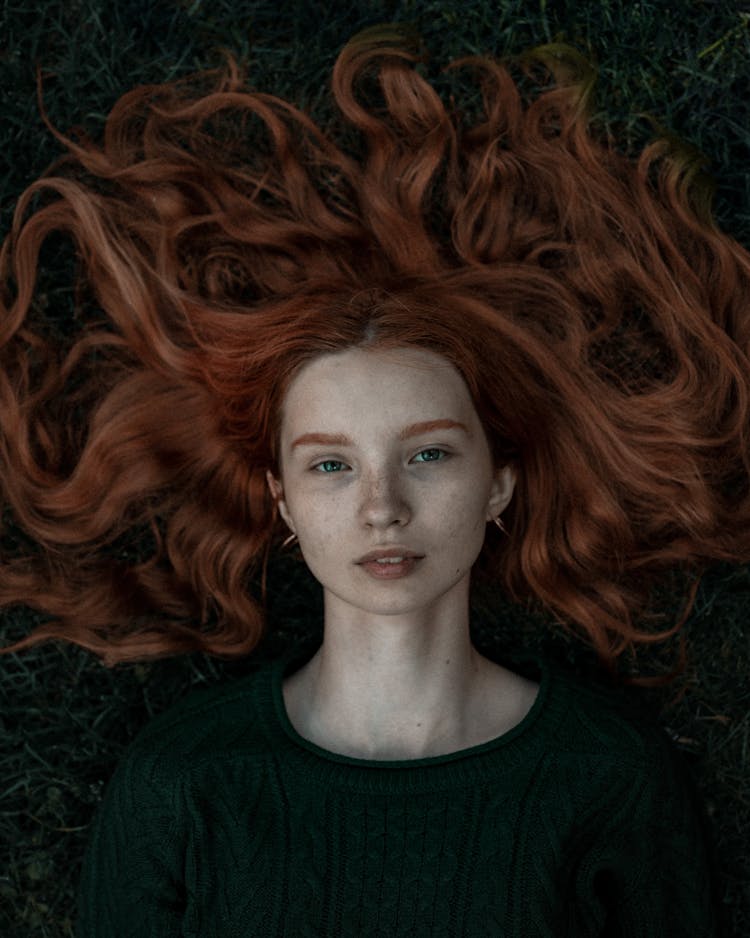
column 389, row 568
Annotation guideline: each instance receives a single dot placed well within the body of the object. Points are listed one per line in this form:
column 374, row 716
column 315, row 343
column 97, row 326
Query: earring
column 289, row 540
column 500, row 524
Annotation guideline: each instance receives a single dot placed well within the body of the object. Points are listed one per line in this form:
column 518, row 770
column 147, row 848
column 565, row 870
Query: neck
column 390, row 688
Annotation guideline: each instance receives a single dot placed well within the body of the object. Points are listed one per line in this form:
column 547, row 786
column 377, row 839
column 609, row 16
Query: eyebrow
column 414, row 429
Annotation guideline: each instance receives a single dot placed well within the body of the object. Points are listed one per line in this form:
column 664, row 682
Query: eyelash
column 430, row 449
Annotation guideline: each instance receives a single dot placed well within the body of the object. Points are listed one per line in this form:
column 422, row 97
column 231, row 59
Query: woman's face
column 431, row 492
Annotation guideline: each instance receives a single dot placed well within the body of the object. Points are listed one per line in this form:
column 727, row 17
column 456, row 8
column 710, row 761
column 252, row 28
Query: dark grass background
column 65, row 719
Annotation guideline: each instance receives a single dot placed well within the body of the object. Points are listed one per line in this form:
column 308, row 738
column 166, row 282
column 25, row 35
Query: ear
column 501, row 492
column 277, row 493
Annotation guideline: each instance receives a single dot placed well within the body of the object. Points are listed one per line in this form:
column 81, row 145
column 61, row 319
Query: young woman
column 408, row 360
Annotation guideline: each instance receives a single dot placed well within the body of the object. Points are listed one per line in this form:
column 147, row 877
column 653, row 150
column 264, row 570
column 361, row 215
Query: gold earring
column 500, row 524
column 288, row 540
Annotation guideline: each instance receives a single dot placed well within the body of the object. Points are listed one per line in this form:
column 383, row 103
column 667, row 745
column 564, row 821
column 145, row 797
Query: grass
column 64, row 719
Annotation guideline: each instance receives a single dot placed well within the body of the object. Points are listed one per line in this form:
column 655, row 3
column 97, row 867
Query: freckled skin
column 338, row 515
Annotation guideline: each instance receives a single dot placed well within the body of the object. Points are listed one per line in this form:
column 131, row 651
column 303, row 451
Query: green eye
column 327, row 462
column 432, row 449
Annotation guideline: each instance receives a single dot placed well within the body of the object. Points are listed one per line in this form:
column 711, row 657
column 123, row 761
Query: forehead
column 362, row 385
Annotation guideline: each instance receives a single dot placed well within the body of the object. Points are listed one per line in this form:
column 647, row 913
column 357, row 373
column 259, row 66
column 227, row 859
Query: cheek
column 460, row 529
column 326, row 551
column 319, row 524
column 465, row 510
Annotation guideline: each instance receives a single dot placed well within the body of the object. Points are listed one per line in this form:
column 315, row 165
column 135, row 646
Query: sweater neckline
column 316, row 760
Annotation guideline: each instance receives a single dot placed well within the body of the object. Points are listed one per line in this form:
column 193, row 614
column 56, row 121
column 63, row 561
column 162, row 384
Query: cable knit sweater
column 222, row 821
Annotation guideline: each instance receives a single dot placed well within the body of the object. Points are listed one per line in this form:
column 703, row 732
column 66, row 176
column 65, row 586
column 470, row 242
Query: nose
column 384, row 502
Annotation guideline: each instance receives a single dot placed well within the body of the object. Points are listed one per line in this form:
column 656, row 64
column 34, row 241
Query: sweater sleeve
column 654, row 874
column 132, row 882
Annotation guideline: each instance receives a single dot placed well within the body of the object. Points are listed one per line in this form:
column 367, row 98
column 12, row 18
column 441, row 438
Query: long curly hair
column 597, row 314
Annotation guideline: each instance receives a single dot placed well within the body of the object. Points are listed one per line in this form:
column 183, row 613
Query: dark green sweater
column 223, row 821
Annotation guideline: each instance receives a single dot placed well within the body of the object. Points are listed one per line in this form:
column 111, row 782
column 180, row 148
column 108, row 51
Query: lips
column 382, row 552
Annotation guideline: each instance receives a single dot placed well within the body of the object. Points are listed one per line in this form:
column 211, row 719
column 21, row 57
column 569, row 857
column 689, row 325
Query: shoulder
column 606, row 726
column 602, row 763
column 206, row 724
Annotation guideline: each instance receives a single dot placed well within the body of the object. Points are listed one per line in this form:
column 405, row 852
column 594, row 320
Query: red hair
column 598, row 316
